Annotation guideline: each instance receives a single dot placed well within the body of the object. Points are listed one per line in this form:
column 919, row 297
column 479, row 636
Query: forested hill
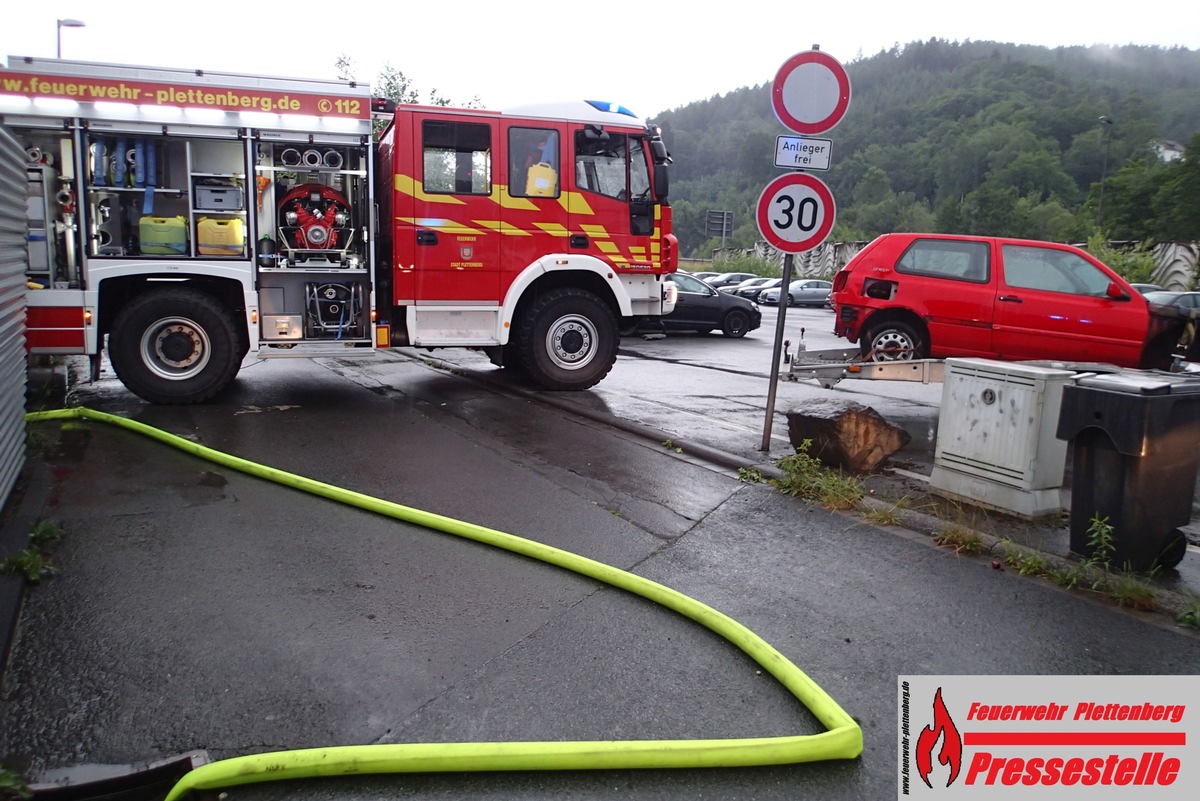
column 972, row 137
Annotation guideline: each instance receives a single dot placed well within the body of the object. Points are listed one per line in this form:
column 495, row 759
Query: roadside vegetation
column 1095, row 574
column 13, row 786
column 33, row 562
column 804, row 476
column 807, row 478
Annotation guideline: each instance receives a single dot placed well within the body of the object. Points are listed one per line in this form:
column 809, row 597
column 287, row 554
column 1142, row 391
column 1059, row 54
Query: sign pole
column 810, row 95
column 774, row 382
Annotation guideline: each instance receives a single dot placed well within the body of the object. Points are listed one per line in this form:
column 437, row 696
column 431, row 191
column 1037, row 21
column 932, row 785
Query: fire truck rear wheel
column 567, row 340
column 175, row 346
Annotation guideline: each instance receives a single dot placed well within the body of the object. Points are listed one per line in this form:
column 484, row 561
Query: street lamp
column 1107, row 122
column 66, row 23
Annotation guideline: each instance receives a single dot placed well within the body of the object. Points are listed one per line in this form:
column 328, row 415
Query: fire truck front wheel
column 175, row 346
column 567, row 340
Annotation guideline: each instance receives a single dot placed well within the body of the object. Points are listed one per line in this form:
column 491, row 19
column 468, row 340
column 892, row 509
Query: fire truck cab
column 189, row 220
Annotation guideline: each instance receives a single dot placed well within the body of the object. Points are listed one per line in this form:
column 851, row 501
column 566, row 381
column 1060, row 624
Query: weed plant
column 804, row 476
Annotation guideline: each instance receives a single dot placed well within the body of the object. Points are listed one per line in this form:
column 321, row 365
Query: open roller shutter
column 14, row 260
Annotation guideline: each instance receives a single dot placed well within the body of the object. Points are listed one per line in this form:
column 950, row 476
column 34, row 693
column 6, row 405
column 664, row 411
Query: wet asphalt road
column 199, row 608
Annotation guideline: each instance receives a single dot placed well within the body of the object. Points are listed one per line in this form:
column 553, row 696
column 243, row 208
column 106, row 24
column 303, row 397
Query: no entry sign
column 796, row 212
column 811, row 92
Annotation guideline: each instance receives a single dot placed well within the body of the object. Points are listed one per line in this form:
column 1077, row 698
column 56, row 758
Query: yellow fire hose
column 841, row 740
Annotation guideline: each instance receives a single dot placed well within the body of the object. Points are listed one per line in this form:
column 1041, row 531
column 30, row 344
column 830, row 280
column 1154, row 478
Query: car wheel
column 894, row 341
column 735, row 324
column 791, row 301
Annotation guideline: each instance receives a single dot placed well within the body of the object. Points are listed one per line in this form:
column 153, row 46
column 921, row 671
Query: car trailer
column 828, row 367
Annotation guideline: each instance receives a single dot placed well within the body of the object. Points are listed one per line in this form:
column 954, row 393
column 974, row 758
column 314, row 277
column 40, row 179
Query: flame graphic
column 951, row 753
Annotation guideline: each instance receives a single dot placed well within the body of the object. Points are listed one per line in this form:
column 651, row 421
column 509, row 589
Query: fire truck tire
column 175, row 346
column 567, row 339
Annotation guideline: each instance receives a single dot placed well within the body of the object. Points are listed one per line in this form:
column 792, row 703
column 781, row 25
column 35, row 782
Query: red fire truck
column 190, row 220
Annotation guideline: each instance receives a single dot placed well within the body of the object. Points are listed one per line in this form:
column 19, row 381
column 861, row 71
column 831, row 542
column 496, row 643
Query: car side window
column 602, row 163
column 457, row 158
column 687, row 283
column 1051, row 270
column 963, row 261
column 533, row 162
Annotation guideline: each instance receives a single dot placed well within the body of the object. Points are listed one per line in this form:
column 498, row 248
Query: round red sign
column 796, row 212
column 811, row 92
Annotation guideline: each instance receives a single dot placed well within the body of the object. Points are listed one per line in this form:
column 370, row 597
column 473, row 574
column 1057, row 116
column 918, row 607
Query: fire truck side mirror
column 661, row 183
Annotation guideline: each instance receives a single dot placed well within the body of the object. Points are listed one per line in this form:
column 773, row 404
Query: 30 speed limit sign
column 796, row 212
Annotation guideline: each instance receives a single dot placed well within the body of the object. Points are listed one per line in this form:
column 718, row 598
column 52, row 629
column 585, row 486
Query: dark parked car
column 803, row 292
column 751, row 283
column 752, row 291
column 1181, row 300
column 702, row 308
column 1144, row 288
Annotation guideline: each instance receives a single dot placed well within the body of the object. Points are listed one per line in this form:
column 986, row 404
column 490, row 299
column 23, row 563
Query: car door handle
column 579, row 241
column 427, row 237
column 1009, row 299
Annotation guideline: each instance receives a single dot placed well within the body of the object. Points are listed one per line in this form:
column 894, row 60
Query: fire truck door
column 615, row 220
column 456, row 219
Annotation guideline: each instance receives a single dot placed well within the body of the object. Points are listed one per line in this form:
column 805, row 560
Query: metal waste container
column 1135, row 441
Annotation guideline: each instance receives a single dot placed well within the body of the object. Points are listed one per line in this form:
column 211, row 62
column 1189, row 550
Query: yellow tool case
column 163, row 236
column 220, row 237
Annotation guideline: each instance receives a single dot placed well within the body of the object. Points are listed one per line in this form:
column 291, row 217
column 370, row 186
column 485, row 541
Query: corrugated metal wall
column 13, row 260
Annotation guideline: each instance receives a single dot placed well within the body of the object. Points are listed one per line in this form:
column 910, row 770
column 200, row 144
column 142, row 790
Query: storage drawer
column 217, row 198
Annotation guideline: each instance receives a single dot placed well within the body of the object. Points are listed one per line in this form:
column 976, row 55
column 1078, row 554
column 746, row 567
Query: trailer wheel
column 894, row 341
column 567, row 340
column 175, row 346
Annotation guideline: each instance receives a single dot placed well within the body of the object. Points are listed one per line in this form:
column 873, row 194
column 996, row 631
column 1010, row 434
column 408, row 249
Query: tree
column 1176, row 205
column 394, row 85
column 952, row 127
column 1128, row 198
column 991, row 210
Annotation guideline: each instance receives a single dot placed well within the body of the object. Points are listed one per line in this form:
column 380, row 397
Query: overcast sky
column 648, row 56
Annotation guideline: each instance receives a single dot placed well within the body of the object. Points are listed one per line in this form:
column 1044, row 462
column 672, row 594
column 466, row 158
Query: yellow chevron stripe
column 575, row 203
column 443, row 225
column 596, row 231
column 405, row 185
column 507, row 201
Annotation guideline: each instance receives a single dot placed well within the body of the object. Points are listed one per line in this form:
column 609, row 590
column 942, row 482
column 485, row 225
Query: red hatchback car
column 916, row 296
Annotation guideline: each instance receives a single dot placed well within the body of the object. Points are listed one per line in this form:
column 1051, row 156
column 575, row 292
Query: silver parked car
column 802, row 292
